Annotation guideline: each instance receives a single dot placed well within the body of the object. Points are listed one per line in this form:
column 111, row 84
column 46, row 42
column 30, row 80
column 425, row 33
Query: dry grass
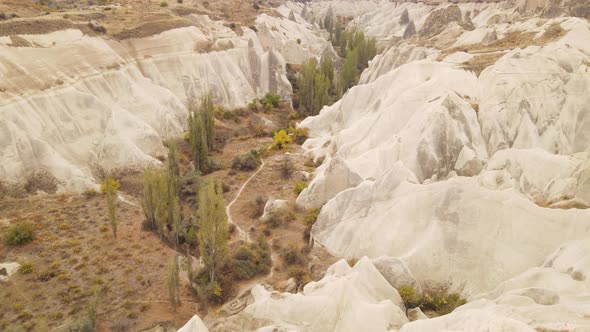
column 480, row 62
column 72, row 259
column 126, row 19
column 487, row 55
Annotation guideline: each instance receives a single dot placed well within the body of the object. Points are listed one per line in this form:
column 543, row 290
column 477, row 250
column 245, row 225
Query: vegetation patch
column 246, row 162
column 438, row 301
column 19, row 234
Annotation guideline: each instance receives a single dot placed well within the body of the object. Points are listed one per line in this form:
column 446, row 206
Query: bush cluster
column 250, row 260
column 246, row 162
column 19, row 234
column 437, row 300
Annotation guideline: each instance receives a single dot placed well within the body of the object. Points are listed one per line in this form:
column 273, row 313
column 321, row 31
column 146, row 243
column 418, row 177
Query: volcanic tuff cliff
column 462, row 160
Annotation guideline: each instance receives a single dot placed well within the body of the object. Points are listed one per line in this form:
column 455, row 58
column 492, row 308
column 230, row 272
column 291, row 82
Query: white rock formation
column 552, row 296
column 517, row 136
column 335, row 303
column 90, row 104
column 8, row 269
column 296, row 41
column 195, row 324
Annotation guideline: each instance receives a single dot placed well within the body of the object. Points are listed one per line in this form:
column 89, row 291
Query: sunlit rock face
column 75, row 106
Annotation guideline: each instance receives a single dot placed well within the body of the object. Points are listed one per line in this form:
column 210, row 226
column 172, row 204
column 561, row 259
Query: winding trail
column 244, row 235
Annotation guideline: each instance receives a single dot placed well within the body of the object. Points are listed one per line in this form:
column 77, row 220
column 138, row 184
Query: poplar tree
column 172, row 187
column 173, row 282
column 198, row 142
column 208, row 114
column 213, row 233
column 109, row 187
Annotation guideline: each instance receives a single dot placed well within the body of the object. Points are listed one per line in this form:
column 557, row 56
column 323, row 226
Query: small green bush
column 438, row 300
column 19, row 234
column 250, row 260
column 247, row 162
column 311, row 216
column 281, row 139
column 299, row 41
column 308, row 220
column 299, row 186
column 258, row 205
column 300, row 274
column 270, row 100
column 26, row 268
column 286, row 168
column 163, row 4
column 292, row 255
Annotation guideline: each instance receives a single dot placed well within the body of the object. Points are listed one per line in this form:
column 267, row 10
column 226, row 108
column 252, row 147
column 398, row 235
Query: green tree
column 150, row 196
column 348, row 74
column 208, row 114
column 172, row 180
column 321, row 97
column 109, row 187
column 329, row 19
column 327, row 68
column 306, row 84
column 173, row 282
column 198, row 142
column 213, row 233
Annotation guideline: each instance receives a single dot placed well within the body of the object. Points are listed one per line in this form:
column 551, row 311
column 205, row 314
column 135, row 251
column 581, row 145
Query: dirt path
column 244, row 235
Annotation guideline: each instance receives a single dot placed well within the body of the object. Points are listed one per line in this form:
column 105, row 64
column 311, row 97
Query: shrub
column 292, row 255
column 437, row 300
column 250, row 260
column 299, row 186
column 281, row 139
column 275, row 219
column 410, row 297
column 179, row 1
column 26, row 268
column 300, row 135
column 309, row 219
column 163, row 4
column 299, row 41
column 300, row 274
column 91, row 192
column 19, row 234
column 270, row 100
column 258, row 205
column 286, row 168
column 311, row 216
column 247, row 162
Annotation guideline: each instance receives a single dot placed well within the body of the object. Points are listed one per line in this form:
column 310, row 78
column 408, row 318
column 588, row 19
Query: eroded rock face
column 107, row 105
column 343, row 295
column 439, row 19
column 507, row 149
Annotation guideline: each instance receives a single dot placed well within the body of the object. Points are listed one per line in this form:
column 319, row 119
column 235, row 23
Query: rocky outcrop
column 439, row 19
column 91, row 106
